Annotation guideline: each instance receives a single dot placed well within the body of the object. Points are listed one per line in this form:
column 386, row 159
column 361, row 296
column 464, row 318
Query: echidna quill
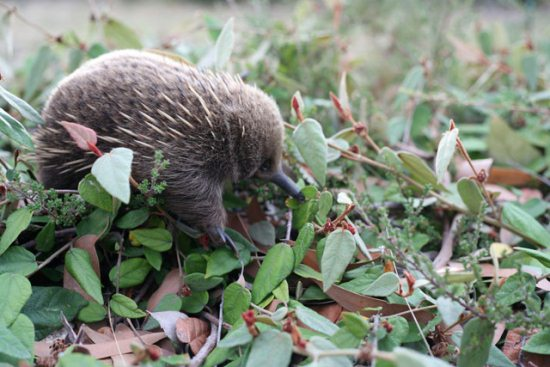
column 210, row 126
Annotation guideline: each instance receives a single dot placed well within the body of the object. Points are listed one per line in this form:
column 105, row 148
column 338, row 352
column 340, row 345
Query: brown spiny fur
column 211, row 127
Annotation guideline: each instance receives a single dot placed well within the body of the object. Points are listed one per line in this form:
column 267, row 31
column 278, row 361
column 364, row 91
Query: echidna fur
column 210, row 126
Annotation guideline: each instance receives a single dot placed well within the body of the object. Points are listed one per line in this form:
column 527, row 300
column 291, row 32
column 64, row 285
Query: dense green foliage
column 420, row 137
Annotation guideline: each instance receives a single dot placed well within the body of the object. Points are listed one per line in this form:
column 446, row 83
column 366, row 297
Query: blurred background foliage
column 410, row 65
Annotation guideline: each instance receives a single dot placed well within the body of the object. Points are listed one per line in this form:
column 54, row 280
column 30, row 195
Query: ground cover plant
column 420, row 137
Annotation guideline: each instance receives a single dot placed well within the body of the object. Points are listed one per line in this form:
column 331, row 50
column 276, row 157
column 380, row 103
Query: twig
column 51, row 258
column 210, row 343
column 60, row 233
column 288, row 225
column 431, row 307
column 13, row 10
column 118, row 261
column 220, row 322
column 215, row 320
column 129, row 322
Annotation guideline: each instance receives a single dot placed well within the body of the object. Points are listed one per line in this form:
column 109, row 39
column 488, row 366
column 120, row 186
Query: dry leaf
column 331, row 311
column 168, row 321
column 351, row 301
column 509, row 176
column 468, row 53
column 193, row 331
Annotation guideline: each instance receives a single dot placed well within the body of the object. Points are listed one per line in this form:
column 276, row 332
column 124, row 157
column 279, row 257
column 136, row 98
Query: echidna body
column 211, row 127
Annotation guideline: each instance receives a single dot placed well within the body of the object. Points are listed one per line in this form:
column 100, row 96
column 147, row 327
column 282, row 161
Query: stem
column 51, row 258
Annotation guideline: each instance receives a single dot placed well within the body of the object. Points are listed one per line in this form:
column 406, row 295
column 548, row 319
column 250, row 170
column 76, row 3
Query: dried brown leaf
column 193, row 331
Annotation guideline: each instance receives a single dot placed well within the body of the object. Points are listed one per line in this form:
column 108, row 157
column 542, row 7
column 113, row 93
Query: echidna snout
column 210, row 126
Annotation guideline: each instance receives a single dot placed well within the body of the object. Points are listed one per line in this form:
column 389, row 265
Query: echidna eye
column 266, row 166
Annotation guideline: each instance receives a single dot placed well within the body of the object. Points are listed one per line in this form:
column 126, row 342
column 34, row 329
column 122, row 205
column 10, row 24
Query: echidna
column 210, row 126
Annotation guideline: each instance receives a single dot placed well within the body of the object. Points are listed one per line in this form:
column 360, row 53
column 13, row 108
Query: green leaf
column 325, row 204
column 18, row 260
column 404, row 357
column 358, row 325
column 45, row 239
column 508, row 146
column 306, row 272
column 303, row 242
column 312, row 145
column 133, row 218
column 125, row 307
column 418, row 169
column 11, row 348
column 338, row 253
column 221, row 262
column 236, row 337
column 236, row 301
column 79, row 265
column 281, row 292
column 386, row 284
column 277, row 265
column 23, row 329
column 119, row 35
column 539, row 343
column 263, row 232
column 158, row 239
column 194, row 263
column 112, row 170
column 318, row 344
column 92, row 192
column 98, row 223
column 46, row 305
column 449, row 310
column 17, row 222
column 530, row 68
column 198, row 282
column 314, row 320
column 93, row 312
column 525, row 224
column 470, row 194
column 543, row 257
column 78, row 359
column 23, row 107
column 132, row 272
column 195, row 302
column 272, row 348
column 35, row 77
column 515, row 289
column 154, row 258
column 15, row 290
column 475, row 343
column 224, row 45
column 445, row 152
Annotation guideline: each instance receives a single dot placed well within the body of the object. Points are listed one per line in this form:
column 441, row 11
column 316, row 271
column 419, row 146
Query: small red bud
column 354, row 149
column 482, row 176
column 329, row 226
column 359, row 128
column 386, row 325
column 452, row 125
column 296, row 107
column 344, row 113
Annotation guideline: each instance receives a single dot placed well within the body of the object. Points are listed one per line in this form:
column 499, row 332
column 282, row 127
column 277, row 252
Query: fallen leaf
column 168, row 321
column 509, row 176
column 192, row 331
